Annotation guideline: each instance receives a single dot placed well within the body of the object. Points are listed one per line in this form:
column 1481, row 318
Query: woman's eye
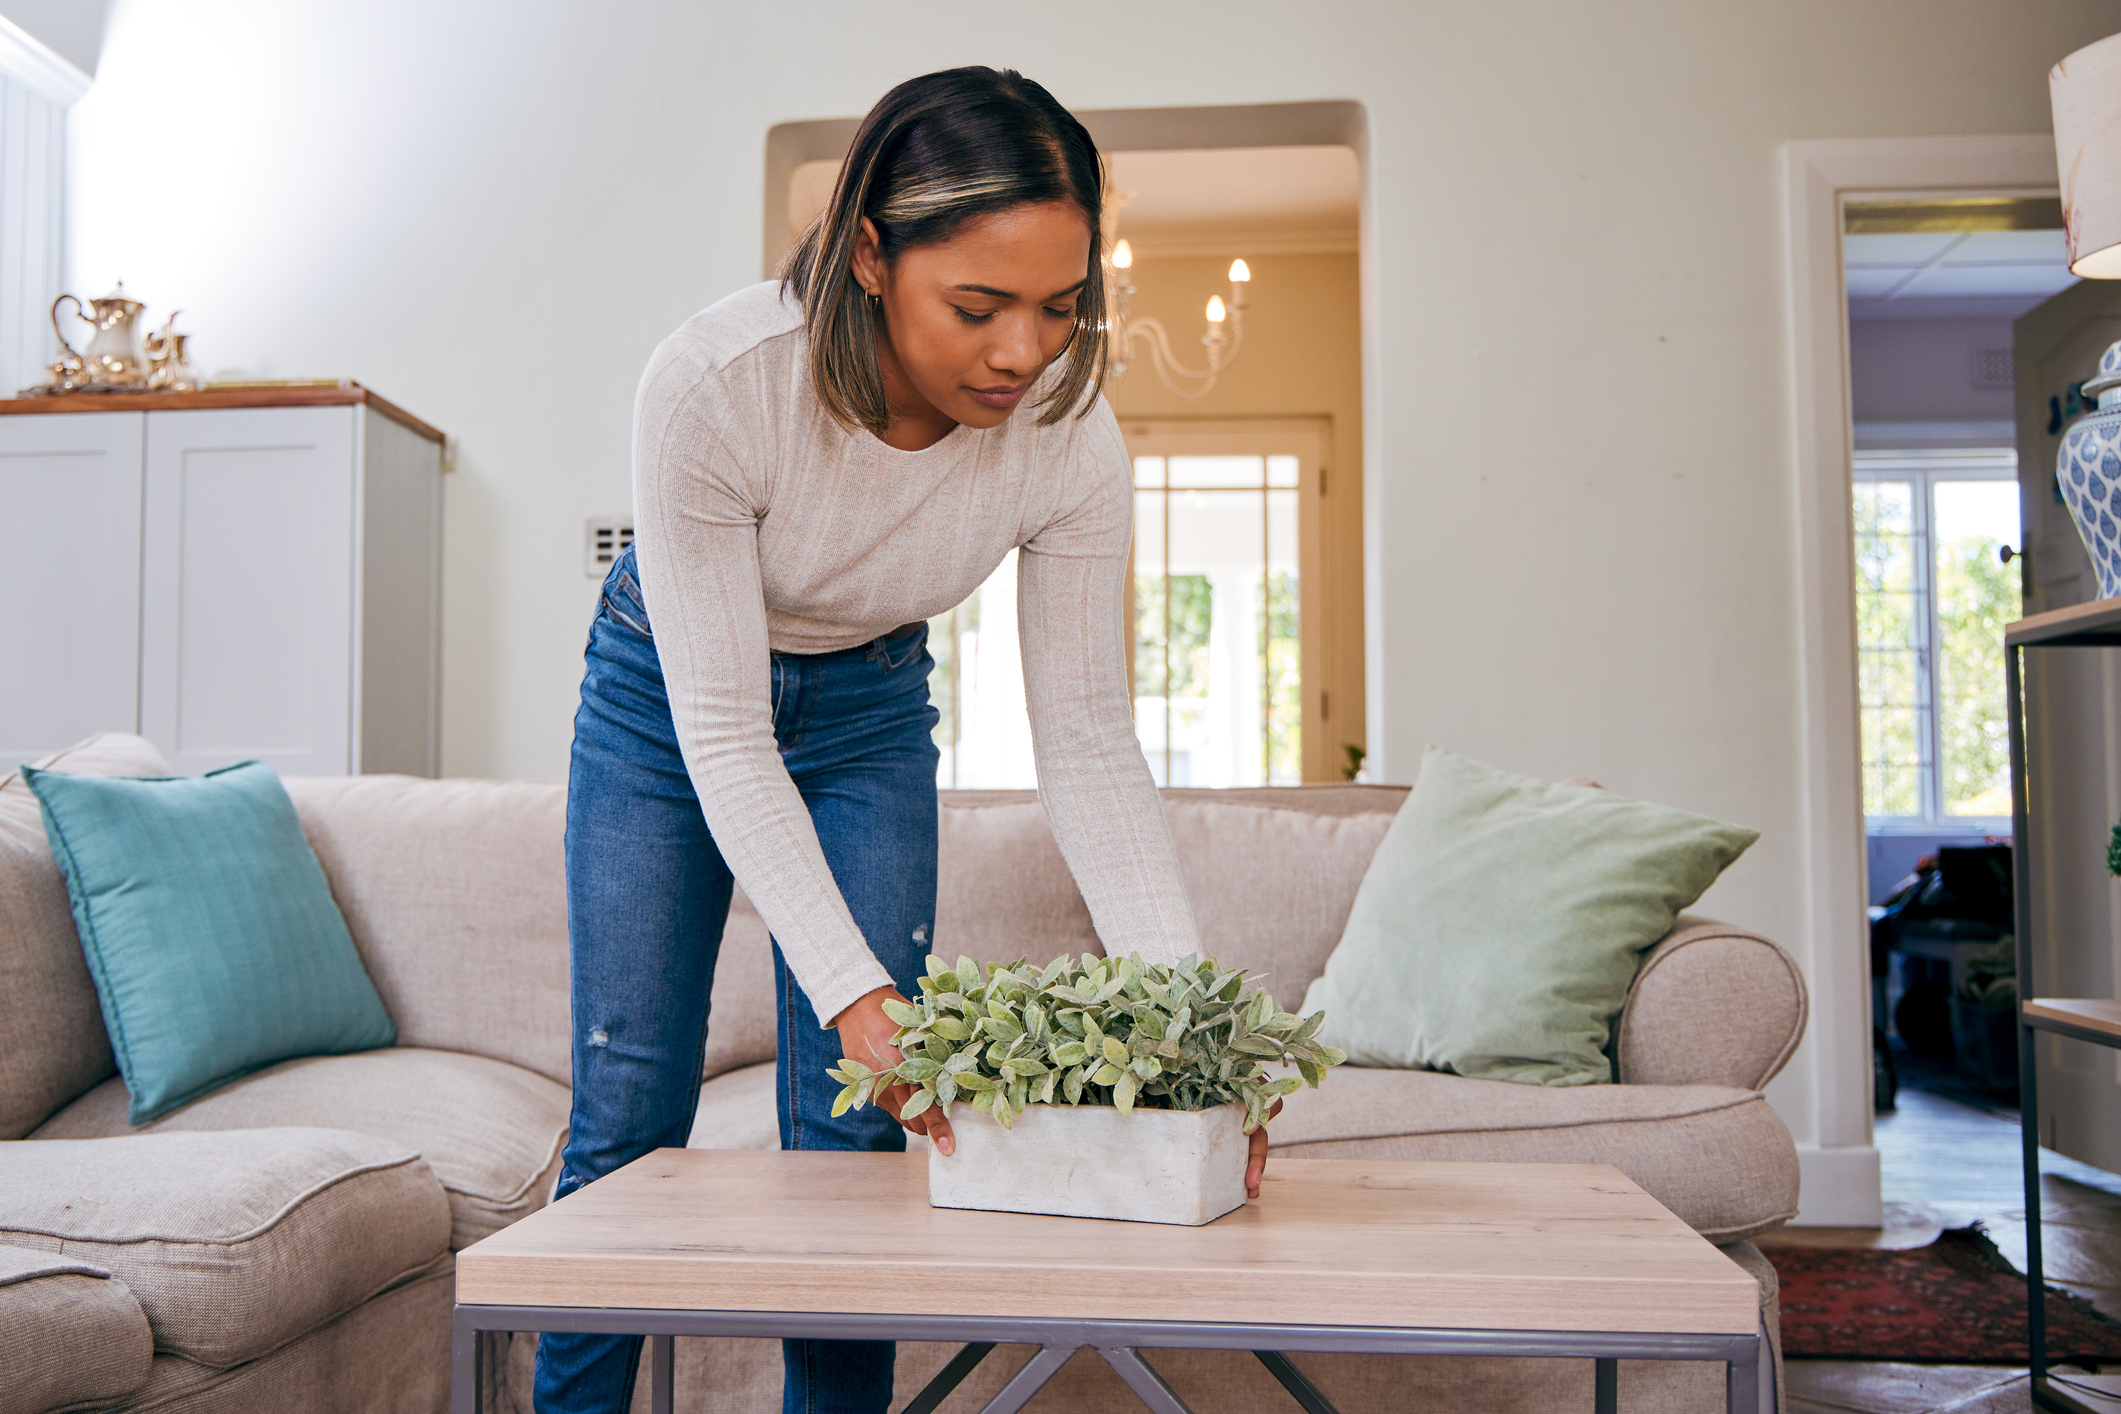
column 1067, row 313
column 970, row 318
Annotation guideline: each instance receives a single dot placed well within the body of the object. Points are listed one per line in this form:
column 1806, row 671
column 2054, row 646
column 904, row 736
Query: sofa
column 287, row 1241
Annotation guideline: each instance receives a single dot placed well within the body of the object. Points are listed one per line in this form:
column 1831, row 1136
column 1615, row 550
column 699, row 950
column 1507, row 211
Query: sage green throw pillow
column 210, row 931
column 1501, row 922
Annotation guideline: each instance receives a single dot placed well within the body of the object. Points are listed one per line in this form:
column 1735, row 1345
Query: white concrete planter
column 1091, row 1161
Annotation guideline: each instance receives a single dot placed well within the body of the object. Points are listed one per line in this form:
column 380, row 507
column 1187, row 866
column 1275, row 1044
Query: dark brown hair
column 934, row 153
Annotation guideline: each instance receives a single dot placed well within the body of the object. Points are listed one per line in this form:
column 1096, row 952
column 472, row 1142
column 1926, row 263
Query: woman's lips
column 1002, row 397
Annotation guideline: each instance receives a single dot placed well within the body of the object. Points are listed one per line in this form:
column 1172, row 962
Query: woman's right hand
column 865, row 1036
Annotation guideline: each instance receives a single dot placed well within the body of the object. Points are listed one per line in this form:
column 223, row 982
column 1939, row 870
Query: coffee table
column 1560, row 1260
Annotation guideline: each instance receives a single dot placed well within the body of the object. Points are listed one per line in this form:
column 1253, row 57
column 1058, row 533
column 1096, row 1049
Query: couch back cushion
column 1270, row 873
column 53, row 1047
column 455, row 892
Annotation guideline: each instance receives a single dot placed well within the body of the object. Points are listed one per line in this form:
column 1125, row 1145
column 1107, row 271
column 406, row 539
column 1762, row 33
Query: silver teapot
column 114, row 360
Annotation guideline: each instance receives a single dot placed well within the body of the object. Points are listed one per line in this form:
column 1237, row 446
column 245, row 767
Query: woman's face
column 971, row 322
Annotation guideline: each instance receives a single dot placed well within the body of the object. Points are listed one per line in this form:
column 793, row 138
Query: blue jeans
column 647, row 897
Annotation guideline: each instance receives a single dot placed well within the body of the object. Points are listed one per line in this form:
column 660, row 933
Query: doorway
column 1933, row 287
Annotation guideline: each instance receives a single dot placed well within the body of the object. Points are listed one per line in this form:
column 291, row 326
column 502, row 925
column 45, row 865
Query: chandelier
column 1225, row 336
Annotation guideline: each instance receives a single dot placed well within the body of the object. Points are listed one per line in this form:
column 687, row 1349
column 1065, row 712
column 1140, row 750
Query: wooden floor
column 1951, row 1163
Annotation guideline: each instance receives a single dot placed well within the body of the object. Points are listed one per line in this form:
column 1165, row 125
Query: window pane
column 1281, row 471
column 1219, row 471
column 1891, row 623
column 1148, row 471
column 1977, row 594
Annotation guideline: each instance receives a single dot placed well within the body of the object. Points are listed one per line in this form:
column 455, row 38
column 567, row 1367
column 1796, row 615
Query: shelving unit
column 2093, row 1019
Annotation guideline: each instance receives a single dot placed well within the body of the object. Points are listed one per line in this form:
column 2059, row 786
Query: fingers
column 939, row 1132
column 1256, row 1160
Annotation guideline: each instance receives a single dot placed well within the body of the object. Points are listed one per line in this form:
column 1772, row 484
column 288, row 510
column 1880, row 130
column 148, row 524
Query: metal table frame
column 2093, row 625
column 1120, row 1343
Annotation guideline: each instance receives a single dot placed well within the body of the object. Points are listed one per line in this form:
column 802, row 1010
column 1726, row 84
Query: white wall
column 1578, row 457
column 1922, row 370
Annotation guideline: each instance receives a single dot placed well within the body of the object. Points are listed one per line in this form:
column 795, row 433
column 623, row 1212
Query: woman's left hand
column 1256, row 1164
column 865, row 1035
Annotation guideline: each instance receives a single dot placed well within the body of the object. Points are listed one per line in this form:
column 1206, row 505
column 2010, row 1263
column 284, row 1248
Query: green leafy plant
column 1100, row 1031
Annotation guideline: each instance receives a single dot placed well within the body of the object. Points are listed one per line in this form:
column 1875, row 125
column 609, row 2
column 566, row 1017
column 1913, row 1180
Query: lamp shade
column 2086, row 91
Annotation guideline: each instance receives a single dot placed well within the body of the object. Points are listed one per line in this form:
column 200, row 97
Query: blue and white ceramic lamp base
column 2089, row 473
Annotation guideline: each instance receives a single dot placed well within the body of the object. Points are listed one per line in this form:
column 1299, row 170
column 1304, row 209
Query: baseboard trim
column 1841, row 1187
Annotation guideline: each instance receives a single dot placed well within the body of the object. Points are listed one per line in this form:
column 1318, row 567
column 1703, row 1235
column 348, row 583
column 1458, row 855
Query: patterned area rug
column 1956, row 1300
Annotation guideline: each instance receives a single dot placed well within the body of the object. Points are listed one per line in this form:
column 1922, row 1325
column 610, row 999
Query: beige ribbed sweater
column 762, row 524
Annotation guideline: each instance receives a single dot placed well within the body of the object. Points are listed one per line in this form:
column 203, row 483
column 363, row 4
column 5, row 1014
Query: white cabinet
column 234, row 583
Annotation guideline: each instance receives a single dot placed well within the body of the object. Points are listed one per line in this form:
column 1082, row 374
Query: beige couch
column 286, row 1241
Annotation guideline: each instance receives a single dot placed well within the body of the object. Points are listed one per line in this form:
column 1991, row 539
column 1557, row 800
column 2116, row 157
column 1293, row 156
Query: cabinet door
column 69, row 580
column 247, row 588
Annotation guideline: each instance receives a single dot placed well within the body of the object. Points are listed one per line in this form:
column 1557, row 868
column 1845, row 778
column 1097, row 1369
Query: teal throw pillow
column 210, row 931
column 1501, row 922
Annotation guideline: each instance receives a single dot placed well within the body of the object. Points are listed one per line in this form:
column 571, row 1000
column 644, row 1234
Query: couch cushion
column 1718, row 1157
column 389, row 1355
column 741, row 1011
column 1002, row 889
column 738, row 1111
column 234, row 1243
column 490, row 1131
column 1271, row 888
column 456, row 895
column 69, row 1334
column 56, row 1045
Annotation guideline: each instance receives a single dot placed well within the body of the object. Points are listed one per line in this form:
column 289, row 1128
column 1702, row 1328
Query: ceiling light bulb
column 1240, row 272
column 1123, row 256
column 1216, row 313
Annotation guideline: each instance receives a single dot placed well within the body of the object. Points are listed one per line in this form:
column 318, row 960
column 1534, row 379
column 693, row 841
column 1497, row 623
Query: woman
column 820, row 465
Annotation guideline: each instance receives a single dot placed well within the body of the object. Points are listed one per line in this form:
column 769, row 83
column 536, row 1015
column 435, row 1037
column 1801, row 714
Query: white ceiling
column 1283, row 198
column 1942, row 274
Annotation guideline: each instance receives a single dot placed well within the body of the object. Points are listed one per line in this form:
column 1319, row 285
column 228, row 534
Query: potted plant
column 1103, row 1088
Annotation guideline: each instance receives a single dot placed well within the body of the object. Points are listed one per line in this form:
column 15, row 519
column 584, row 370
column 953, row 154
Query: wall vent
column 604, row 539
column 1993, row 368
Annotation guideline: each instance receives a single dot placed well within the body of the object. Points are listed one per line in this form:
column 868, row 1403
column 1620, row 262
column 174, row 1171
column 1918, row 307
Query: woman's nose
column 1016, row 351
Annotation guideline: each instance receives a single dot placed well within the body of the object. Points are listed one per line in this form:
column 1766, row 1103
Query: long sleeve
column 697, row 512
column 1092, row 778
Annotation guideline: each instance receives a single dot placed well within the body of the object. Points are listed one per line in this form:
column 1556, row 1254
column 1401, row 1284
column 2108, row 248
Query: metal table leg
column 1744, row 1379
column 949, row 1378
column 662, row 1373
column 1605, row 1386
column 1295, row 1382
column 1148, row 1386
column 467, row 1367
column 1031, row 1379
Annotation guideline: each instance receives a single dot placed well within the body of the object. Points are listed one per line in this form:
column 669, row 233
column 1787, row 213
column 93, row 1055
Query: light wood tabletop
column 1464, row 1246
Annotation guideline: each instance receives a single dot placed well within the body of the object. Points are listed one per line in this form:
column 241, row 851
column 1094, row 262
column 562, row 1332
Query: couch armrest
column 1711, row 1005
column 456, row 894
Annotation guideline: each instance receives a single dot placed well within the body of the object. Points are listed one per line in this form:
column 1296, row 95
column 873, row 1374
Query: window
column 1218, row 673
column 1932, row 599
column 1245, row 632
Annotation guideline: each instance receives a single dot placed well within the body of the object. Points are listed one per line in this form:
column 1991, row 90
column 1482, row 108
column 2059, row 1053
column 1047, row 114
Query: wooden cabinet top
column 282, row 395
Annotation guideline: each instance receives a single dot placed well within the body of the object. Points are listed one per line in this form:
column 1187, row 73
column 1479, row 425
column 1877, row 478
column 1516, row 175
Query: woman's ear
column 868, row 259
